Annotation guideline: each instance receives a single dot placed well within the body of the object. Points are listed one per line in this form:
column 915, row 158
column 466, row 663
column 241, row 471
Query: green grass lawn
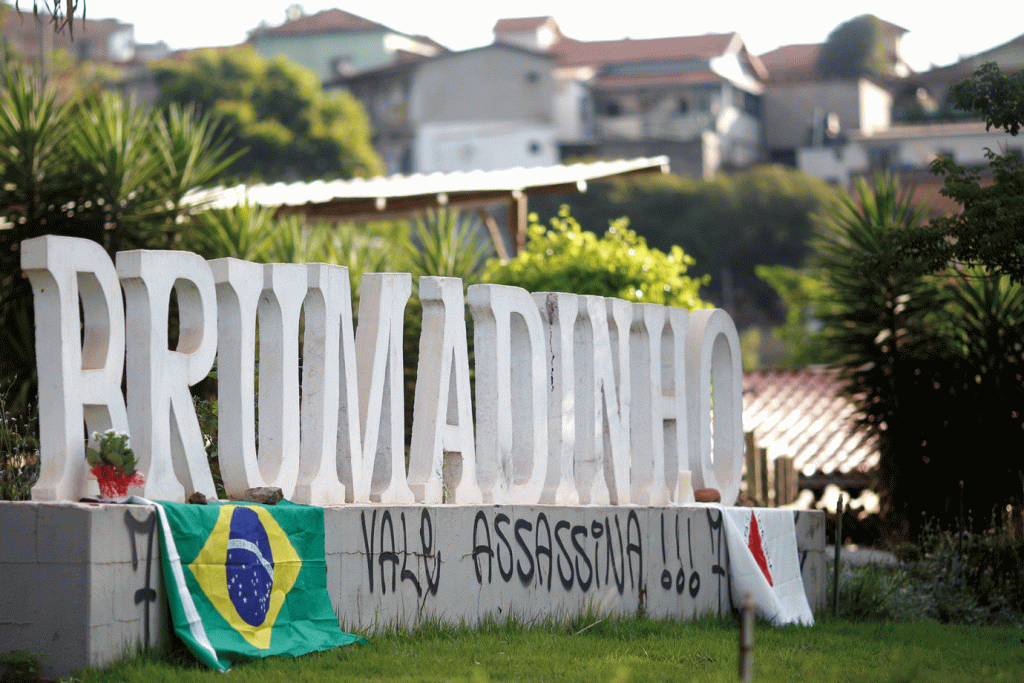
column 622, row 650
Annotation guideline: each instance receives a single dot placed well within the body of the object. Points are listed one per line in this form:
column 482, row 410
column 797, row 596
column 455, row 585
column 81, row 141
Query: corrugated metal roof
column 408, row 192
column 801, row 414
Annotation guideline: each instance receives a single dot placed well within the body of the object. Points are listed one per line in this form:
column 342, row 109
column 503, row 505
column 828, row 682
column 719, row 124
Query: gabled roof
column 327, row 21
column 600, row 52
column 411, row 61
column 792, row 62
column 966, row 66
column 520, row 24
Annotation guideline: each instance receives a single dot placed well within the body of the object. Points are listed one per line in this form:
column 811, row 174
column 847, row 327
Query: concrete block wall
column 810, row 542
column 82, row 583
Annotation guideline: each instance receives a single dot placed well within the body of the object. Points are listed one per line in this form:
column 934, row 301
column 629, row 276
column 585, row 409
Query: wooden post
column 764, row 477
column 749, row 462
column 747, row 640
column 492, row 228
column 517, row 220
column 839, row 547
column 785, row 481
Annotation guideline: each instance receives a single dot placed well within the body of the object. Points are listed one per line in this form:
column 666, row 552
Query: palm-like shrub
column 100, row 168
column 932, row 359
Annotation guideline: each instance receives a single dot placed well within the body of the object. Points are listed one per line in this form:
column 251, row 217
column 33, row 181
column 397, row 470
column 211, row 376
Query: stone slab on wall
column 82, row 583
column 810, row 543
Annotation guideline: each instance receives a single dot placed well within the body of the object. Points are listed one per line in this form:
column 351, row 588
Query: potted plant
column 113, row 464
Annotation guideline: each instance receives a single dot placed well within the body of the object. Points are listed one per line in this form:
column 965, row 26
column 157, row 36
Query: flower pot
column 114, row 482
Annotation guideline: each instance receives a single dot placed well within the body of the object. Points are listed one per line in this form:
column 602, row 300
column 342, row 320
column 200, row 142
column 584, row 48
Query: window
column 881, row 158
column 534, row 147
column 683, row 106
column 752, row 104
column 612, row 109
column 532, row 77
column 343, row 66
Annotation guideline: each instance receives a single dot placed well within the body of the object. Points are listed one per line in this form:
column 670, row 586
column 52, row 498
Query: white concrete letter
column 713, row 353
column 673, row 387
column 239, row 285
column 382, row 301
column 646, row 431
column 78, row 380
column 165, row 432
column 511, row 434
column 602, row 419
column 280, row 308
column 442, row 425
column 349, row 446
column 318, row 482
column 559, row 312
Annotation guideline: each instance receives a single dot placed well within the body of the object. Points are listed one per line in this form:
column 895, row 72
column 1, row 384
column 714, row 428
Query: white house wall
column 571, row 106
column 490, row 84
column 839, row 163
column 484, row 146
column 790, row 110
column 875, row 107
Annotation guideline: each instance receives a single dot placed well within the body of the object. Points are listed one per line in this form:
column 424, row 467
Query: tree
column 989, row 231
column 566, row 258
column 854, row 48
column 275, row 114
column 729, row 224
column 933, row 360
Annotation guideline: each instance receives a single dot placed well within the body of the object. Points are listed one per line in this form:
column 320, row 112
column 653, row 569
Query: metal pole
column 835, row 568
column 747, row 639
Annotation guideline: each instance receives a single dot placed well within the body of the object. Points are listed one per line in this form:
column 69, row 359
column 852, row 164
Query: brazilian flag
column 247, row 581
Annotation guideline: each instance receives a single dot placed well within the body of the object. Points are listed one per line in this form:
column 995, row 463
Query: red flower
column 114, row 482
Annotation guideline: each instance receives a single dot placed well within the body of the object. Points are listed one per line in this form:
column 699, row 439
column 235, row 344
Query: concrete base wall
column 82, row 582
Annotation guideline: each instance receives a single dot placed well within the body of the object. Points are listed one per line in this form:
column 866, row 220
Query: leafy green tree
column 854, row 48
column 932, row 359
column 729, row 224
column 989, row 231
column 275, row 115
column 805, row 297
column 566, row 258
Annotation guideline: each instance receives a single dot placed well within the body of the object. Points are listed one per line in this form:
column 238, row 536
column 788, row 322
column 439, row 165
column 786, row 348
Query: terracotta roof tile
column 792, row 62
column 577, row 53
column 802, row 415
column 327, row 21
column 517, row 24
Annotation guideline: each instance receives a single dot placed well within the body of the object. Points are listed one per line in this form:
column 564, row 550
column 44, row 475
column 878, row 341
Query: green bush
column 566, row 258
column 728, row 224
column 19, row 452
column 948, row 577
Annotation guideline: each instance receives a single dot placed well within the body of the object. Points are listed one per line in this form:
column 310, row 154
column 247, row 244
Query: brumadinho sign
column 580, row 400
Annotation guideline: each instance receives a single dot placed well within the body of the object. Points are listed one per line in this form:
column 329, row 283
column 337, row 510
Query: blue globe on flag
column 249, row 567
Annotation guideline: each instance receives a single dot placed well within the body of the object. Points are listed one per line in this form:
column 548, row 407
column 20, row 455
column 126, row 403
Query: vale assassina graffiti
column 580, row 400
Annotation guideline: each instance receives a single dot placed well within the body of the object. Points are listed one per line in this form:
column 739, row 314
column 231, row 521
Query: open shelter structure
column 400, row 195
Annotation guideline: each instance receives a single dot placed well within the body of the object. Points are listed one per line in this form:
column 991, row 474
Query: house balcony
column 622, row 127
